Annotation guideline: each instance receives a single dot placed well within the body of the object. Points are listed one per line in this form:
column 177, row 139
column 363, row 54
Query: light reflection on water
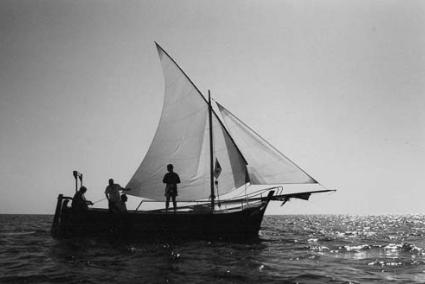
column 305, row 249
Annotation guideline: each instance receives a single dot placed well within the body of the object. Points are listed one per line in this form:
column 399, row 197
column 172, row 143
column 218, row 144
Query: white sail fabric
column 266, row 165
column 233, row 172
column 182, row 139
column 179, row 140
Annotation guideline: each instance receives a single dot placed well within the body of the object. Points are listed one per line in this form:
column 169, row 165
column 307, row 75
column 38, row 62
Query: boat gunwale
column 171, row 212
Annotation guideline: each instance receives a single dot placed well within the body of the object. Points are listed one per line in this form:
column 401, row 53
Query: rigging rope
column 99, row 200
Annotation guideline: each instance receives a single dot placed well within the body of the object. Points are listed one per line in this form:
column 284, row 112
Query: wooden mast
column 211, row 152
column 75, row 174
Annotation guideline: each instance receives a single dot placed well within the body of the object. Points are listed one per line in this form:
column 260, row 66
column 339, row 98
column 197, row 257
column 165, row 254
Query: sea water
column 289, row 249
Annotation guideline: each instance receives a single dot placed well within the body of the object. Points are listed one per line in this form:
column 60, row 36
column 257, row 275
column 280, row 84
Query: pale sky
column 337, row 86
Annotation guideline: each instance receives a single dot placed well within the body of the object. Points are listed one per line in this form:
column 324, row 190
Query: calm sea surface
column 303, row 249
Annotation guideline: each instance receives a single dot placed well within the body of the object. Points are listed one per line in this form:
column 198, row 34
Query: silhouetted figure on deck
column 113, row 195
column 171, row 179
column 80, row 209
column 123, row 206
column 79, row 202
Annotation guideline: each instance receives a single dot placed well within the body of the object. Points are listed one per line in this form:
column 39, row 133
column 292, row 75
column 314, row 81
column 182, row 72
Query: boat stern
column 57, row 225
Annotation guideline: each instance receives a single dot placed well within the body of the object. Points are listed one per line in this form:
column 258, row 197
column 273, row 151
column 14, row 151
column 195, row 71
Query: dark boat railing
column 248, row 200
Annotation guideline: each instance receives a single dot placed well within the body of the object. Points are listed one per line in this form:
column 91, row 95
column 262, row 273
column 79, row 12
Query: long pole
column 211, row 152
column 75, row 174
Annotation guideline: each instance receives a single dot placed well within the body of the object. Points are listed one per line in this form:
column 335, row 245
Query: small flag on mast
column 217, row 169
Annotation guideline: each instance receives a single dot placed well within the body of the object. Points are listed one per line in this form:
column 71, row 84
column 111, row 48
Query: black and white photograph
column 212, row 141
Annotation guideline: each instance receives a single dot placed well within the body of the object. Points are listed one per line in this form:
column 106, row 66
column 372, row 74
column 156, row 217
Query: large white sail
column 182, row 139
column 266, row 165
column 233, row 172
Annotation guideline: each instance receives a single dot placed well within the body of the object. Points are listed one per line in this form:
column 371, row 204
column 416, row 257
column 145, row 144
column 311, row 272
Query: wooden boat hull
column 134, row 224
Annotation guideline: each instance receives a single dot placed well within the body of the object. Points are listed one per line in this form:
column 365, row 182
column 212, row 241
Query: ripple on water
column 305, row 249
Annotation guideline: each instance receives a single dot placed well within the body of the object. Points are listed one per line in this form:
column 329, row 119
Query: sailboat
column 219, row 159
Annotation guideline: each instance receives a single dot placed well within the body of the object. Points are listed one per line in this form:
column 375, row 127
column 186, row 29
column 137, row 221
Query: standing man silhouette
column 112, row 193
column 171, row 179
